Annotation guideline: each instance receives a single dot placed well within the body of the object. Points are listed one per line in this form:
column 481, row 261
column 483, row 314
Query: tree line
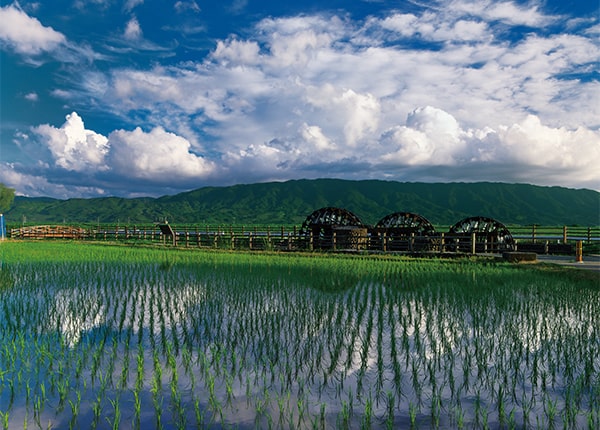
column 7, row 196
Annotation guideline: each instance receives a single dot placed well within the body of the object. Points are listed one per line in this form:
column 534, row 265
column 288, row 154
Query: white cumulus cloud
column 529, row 150
column 32, row 97
column 133, row 31
column 35, row 185
column 531, row 142
column 430, row 136
column 25, row 34
column 510, row 12
column 356, row 114
column 158, row 156
column 234, row 51
column 315, row 138
column 73, row 147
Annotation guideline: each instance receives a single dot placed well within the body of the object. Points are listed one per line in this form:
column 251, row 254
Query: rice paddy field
column 106, row 337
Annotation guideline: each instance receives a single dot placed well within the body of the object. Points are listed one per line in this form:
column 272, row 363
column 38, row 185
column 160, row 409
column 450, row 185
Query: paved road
column 590, row 262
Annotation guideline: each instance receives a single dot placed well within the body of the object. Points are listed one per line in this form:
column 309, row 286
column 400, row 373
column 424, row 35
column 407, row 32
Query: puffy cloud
column 295, row 42
column 39, row 185
column 26, row 35
column 133, row 31
column 515, row 15
column 130, row 153
column 543, row 56
column 532, row 143
column 403, row 23
column 430, row 27
column 430, row 136
column 315, row 139
column 357, row 114
column 298, row 49
column 234, row 51
column 73, row 147
column 32, row 97
column 158, row 156
column 527, row 149
column 505, row 11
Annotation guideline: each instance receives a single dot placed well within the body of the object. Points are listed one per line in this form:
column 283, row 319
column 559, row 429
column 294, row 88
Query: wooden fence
column 539, row 239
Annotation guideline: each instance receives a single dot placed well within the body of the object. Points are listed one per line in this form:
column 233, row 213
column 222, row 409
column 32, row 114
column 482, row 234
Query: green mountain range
column 287, row 203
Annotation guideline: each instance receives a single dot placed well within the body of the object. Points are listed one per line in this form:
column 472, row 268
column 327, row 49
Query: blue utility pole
column 2, row 228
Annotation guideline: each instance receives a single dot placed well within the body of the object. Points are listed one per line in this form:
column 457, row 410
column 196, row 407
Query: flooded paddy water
column 249, row 341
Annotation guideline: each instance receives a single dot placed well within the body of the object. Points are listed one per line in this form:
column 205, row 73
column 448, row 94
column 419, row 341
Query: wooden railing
column 538, row 239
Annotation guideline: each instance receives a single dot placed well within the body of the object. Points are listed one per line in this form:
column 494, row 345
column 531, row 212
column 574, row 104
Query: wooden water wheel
column 332, row 227
column 490, row 235
column 406, row 231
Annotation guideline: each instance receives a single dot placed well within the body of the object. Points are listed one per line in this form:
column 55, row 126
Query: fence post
column 533, row 233
column 295, row 238
column 333, row 240
column 564, row 234
column 579, row 251
column 589, row 235
column 473, row 238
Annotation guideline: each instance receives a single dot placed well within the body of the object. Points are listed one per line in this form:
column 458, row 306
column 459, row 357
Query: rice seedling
column 4, row 418
column 116, row 414
column 75, row 405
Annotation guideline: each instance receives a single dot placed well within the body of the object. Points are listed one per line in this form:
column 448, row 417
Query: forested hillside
column 277, row 203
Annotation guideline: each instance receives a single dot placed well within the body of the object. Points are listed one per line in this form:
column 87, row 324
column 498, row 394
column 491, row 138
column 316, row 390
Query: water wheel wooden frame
column 406, row 231
column 490, row 235
column 331, row 227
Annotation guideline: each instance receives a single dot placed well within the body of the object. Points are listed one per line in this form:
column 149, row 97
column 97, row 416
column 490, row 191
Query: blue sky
column 153, row 97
